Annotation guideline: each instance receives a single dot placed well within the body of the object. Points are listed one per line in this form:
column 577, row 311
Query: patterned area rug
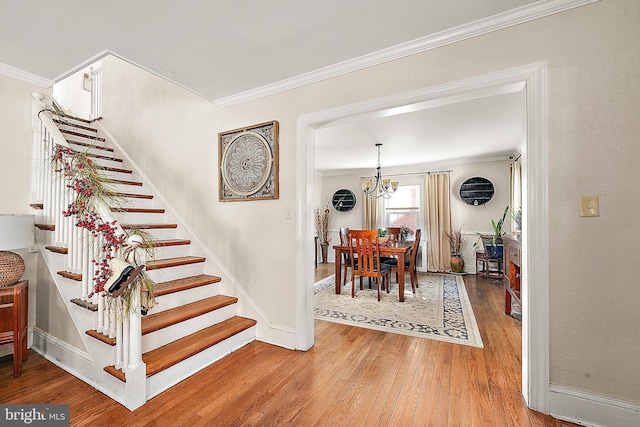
column 439, row 310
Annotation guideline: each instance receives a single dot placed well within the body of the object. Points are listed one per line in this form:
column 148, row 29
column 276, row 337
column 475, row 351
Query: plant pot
column 457, row 263
column 324, row 251
column 494, row 251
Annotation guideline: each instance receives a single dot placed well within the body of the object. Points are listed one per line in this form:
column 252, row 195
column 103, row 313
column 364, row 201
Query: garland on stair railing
column 92, row 189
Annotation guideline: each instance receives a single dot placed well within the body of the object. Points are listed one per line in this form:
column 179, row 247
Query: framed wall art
column 248, row 163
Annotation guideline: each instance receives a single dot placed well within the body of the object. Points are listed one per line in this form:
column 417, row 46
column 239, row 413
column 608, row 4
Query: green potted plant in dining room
column 493, row 244
column 457, row 243
column 323, row 222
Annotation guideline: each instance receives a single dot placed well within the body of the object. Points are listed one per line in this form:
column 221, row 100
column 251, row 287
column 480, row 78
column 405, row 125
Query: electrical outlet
column 589, row 206
column 288, row 213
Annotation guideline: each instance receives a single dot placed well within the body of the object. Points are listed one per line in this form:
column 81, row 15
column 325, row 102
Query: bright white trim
column 473, row 29
column 76, row 362
column 535, row 335
column 584, row 408
column 24, row 76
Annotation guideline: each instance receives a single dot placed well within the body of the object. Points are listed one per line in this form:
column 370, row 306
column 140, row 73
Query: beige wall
column 593, row 100
column 16, row 142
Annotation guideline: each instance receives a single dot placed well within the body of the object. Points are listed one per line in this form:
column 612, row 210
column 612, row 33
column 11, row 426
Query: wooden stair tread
column 57, row 249
column 110, row 169
column 173, row 262
column 86, row 144
column 164, row 319
column 75, row 125
column 185, row 283
column 177, row 351
column 105, row 339
column 138, row 210
column 85, row 304
column 46, row 227
column 170, row 242
column 72, row 117
column 69, row 275
column 132, row 195
column 123, row 182
column 37, row 205
column 115, row 372
column 148, row 226
column 82, row 135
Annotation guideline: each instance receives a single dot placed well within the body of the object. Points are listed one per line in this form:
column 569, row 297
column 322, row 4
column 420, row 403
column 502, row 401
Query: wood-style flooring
column 350, row 377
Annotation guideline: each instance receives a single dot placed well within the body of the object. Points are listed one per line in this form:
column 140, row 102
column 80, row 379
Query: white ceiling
column 229, row 51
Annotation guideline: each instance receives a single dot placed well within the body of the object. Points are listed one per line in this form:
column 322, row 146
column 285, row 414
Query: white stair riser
column 131, row 202
column 120, row 175
column 178, row 299
column 172, row 333
column 169, row 377
column 161, row 233
column 173, row 273
column 139, row 217
column 172, row 251
column 108, row 163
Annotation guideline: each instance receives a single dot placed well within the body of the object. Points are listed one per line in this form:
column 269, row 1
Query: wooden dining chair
column 409, row 264
column 14, row 321
column 363, row 244
column 394, row 233
column 346, row 256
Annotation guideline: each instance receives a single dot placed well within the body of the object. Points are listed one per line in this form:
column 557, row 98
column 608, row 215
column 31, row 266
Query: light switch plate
column 589, row 206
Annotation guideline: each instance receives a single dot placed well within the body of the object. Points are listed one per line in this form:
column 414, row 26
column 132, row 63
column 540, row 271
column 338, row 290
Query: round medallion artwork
column 247, row 163
column 476, row 191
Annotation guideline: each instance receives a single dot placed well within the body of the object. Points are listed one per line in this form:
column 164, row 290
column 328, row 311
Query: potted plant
column 457, row 243
column 405, row 232
column 383, row 236
column 493, row 244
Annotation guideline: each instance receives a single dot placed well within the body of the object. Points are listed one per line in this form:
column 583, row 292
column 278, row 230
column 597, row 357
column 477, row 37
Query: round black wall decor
column 343, row 200
column 476, row 191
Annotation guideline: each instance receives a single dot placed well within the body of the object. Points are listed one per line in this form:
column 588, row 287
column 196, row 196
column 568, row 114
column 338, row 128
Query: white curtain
column 438, row 222
column 516, row 188
column 370, row 213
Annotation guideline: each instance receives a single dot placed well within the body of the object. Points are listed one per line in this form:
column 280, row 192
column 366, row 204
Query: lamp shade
column 16, row 232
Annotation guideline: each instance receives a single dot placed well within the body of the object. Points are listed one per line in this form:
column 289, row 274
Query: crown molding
column 500, row 21
column 24, row 76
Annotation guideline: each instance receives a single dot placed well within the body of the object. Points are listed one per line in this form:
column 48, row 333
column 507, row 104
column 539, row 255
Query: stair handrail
column 52, row 193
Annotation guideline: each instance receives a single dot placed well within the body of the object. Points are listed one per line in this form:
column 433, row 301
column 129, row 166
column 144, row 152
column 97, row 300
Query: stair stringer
column 67, row 357
column 266, row 330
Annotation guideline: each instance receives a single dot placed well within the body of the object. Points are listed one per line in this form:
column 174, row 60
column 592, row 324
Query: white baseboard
column 589, row 409
column 76, row 362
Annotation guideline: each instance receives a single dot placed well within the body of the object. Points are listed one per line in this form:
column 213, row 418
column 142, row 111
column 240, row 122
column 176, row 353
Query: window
column 404, row 207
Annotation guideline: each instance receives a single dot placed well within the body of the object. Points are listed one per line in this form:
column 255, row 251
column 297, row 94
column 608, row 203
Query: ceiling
column 238, row 50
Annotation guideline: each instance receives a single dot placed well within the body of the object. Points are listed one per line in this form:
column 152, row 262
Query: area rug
column 439, row 310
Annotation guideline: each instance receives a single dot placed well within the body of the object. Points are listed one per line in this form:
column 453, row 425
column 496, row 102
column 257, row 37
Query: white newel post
column 136, row 370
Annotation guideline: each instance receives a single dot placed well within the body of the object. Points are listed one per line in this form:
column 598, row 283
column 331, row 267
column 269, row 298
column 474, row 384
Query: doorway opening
column 535, row 285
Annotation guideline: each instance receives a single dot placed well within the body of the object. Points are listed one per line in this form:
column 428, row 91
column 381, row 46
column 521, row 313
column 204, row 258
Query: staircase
column 191, row 326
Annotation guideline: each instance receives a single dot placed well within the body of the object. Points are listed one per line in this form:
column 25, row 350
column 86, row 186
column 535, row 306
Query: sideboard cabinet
column 512, row 264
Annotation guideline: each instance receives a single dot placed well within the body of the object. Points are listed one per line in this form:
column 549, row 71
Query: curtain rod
column 411, row 173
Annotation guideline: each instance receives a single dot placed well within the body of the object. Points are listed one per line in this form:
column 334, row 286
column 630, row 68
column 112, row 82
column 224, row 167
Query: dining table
column 396, row 248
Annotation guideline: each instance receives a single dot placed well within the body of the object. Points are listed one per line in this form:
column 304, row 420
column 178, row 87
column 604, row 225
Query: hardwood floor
column 350, row 377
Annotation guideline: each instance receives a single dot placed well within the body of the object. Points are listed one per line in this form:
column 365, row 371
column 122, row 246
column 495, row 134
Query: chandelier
column 378, row 187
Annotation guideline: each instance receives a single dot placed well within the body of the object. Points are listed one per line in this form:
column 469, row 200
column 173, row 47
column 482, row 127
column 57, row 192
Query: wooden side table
column 490, row 268
column 14, row 321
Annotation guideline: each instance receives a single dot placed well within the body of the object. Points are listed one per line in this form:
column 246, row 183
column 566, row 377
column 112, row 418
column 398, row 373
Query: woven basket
column 11, row 268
